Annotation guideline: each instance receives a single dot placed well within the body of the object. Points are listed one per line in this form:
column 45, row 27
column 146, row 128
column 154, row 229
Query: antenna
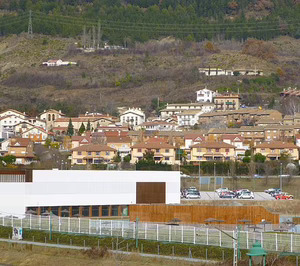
column 30, row 32
column 99, row 35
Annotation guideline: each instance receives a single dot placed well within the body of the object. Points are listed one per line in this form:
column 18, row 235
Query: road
column 209, row 195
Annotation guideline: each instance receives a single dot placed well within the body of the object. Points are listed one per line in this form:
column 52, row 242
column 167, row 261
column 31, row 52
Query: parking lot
column 209, row 195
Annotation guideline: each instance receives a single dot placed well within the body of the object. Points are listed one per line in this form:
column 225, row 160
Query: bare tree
column 291, row 105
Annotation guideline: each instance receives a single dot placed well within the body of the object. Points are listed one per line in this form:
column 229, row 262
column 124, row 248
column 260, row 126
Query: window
column 167, row 150
column 79, row 160
column 208, row 150
column 79, row 153
column 115, row 211
column 97, row 152
column 105, row 211
column 217, row 150
column 199, row 150
column 167, row 158
column 65, row 211
column 226, row 150
column 89, row 153
column 54, row 210
column 95, row 211
column 75, row 211
column 107, row 153
column 156, row 150
column 85, row 211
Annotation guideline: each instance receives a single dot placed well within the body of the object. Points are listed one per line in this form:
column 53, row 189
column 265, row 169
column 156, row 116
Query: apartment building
column 237, row 141
column 252, row 135
column 92, row 154
column 215, row 134
column 271, row 121
column 279, row 133
column 212, row 151
column 22, row 149
column 227, row 101
column 119, row 143
column 158, row 126
column 176, row 108
column 188, row 118
column 163, row 152
column 274, row 149
column 132, row 117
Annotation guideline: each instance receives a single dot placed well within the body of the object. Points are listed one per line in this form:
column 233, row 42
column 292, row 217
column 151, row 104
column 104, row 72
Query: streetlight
column 257, row 255
column 281, row 176
column 214, row 180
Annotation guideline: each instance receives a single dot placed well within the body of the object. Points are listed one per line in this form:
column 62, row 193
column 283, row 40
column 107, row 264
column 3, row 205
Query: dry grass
column 32, row 255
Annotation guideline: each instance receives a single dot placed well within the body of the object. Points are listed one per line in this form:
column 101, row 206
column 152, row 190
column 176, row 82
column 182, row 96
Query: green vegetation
column 148, row 163
column 132, row 20
column 70, row 130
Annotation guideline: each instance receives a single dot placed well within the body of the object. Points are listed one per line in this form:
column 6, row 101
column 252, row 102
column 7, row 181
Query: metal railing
column 201, row 234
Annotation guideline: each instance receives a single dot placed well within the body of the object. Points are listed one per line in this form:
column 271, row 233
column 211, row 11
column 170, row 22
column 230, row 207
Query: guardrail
column 202, row 234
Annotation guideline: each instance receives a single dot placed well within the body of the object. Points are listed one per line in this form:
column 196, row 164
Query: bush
column 259, row 49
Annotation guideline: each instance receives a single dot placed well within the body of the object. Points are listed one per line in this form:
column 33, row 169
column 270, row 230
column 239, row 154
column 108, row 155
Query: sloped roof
column 232, row 137
column 212, row 144
column 153, row 145
column 277, row 145
column 19, row 142
column 93, row 147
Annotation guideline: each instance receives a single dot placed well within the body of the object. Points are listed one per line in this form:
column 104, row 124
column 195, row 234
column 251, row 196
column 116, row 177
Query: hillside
column 167, row 69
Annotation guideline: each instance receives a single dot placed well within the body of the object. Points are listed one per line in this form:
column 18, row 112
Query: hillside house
column 58, row 62
column 50, row 116
column 22, row 148
column 132, row 117
column 205, row 95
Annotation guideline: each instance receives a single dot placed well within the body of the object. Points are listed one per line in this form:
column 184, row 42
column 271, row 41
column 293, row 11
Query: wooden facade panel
column 150, row 192
column 198, row 214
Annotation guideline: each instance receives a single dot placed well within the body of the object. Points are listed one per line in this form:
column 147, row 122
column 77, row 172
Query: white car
column 223, row 189
column 193, row 195
column 246, row 195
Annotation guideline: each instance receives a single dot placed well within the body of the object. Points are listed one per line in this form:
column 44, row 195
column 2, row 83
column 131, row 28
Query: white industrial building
column 87, row 192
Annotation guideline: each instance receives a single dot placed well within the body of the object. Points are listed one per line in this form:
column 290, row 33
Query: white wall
column 80, row 187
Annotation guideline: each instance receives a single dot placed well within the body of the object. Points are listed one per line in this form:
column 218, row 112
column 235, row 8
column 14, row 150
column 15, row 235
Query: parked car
column 246, row 195
column 284, row 196
column 258, row 176
column 227, row 195
column 193, row 195
column 271, row 190
column 220, row 190
column 275, row 192
column 240, row 191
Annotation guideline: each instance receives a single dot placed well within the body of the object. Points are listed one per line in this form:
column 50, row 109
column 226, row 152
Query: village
column 216, row 127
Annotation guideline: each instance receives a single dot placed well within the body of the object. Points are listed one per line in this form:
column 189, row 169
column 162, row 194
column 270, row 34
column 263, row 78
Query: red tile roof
column 93, row 147
column 277, row 145
column 232, row 137
column 153, row 145
column 212, row 144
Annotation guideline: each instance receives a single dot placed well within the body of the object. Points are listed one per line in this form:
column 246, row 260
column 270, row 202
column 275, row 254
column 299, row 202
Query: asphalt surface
column 209, row 195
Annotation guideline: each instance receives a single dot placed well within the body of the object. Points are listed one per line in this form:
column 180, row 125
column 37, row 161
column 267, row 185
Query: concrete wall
column 79, row 187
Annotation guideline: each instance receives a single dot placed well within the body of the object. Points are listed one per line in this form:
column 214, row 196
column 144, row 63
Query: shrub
column 259, row 49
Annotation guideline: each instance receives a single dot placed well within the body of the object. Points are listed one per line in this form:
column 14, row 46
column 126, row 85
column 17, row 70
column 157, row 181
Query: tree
column 259, row 158
column 117, row 158
column 88, row 126
column 9, row 159
column 81, row 129
column 127, row 158
column 70, row 130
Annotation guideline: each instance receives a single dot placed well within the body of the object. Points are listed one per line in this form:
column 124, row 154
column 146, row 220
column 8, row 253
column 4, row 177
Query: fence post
column 111, row 228
column 89, row 226
column 194, row 235
column 79, row 225
column 291, row 242
column 233, row 237
column 122, row 228
column 276, row 240
column 261, row 239
column 145, row 230
column 247, row 243
column 100, row 225
column 182, row 234
column 29, row 221
column 69, row 224
column 157, row 232
column 220, row 238
column 59, row 223
column 206, row 236
column 133, row 231
column 170, row 233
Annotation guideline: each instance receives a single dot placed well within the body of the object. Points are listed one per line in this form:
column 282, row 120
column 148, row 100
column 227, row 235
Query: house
column 279, row 133
column 4, row 146
column 215, row 134
column 237, row 141
column 22, row 148
column 252, row 134
column 271, row 121
column 292, row 119
column 163, row 152
column 92, row 154
column 8, row 123
column 189, row 118
column 50, row 116
column 121, row 143
column 205, row 95
column 176, row 108
column 14, row 113
column 227, row 101
column 58, row 62
column 274, row 149
column 290, row 92
column 212, row 151
column 192, row 139
column 132, row 117
column 158, row 126
column 230, row 72
column 78, row 141
column 36, row 134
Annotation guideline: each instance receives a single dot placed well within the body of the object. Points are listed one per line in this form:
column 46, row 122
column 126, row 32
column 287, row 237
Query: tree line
column 141, row 20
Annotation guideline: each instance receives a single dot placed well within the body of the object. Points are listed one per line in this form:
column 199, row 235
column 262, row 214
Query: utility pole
column 30, row 32
column 84, row 37
column 99, row 35
column 94, row 37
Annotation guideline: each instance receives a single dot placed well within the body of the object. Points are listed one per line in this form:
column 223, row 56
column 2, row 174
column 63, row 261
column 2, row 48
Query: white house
column 36, row 134
column 215, row 71
column 189, row 118
column 57, row 189
column 58, row 62
column 50, row 116
column 237, row 141
column 15, row 113
column 158, row 126
column 205, row 95
column 176, row 108
column 8, row 123
column 192, row 139
column 132, row 117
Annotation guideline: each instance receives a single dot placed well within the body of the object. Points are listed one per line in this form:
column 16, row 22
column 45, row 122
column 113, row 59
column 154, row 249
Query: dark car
column 227, row 195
